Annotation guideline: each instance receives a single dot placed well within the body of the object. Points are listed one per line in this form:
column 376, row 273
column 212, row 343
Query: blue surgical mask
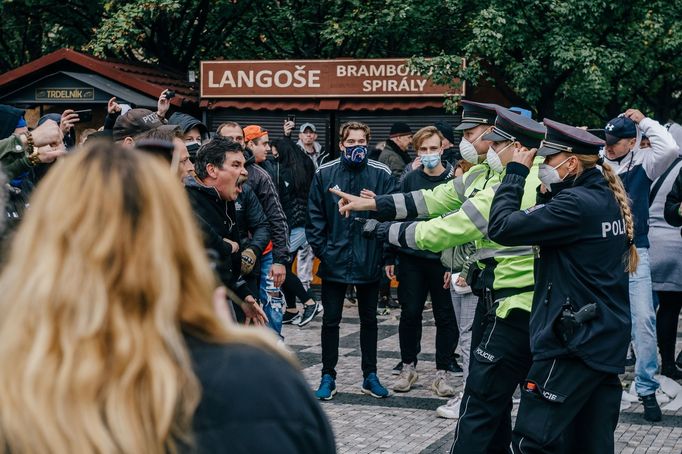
column 354, row 156
column 430, row 161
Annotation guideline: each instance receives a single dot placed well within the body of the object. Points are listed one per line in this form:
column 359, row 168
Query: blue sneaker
column 373, row 387
column 327, row 388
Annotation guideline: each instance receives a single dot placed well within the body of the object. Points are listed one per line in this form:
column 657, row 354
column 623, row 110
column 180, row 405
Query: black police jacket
column 217, row 219
column 253, row 226
column 345, row 255
column 582, row 256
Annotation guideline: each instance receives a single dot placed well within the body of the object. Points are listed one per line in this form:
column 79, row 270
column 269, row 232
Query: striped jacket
column 345, row 255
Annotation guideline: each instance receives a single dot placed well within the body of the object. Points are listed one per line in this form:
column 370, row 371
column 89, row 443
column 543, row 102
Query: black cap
column 446, row 130
column 477, row 113
column 566, row 138
column 400, row 129
column 512, row 126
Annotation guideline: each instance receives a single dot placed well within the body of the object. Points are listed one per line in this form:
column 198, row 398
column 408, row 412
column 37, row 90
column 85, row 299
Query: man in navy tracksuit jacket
column 346, row 257
column 638, row 168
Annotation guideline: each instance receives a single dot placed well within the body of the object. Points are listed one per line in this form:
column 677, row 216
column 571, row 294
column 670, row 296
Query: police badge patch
column 533, row 208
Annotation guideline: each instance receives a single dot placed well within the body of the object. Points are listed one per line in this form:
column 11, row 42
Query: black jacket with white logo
column 345, row 255
column 582, row 257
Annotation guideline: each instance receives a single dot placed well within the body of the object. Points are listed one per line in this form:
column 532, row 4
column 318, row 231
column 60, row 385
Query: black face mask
column 355, row 156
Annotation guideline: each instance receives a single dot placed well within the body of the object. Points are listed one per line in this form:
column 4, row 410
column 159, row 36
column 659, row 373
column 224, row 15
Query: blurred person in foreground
column 113, row 335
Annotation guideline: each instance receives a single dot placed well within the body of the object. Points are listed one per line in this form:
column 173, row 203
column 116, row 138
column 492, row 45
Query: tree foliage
column 580, row 61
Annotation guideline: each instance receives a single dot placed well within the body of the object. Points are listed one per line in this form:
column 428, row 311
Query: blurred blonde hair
column 104, row 275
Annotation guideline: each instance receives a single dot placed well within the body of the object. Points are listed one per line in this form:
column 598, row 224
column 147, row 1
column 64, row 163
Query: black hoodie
column 217, row 219
column 187, row 122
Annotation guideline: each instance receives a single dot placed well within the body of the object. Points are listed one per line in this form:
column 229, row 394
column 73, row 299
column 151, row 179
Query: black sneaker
column 392, row 304
column 652, row 412
column 291, row 318
column 455, row 369
column 309, row 313
column 397, row 369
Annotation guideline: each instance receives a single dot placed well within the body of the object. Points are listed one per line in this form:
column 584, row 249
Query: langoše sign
column 315, row 78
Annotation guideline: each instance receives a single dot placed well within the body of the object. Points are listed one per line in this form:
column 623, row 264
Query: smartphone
column 291, row 117
column 84, row 116
column 169, row 94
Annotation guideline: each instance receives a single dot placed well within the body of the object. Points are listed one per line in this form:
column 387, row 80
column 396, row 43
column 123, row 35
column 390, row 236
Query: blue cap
column 619, row 128
column 21, row 123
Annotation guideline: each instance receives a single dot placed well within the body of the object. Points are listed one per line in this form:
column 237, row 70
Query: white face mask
column 494, row 160
column 467, row 149
column 550, row 175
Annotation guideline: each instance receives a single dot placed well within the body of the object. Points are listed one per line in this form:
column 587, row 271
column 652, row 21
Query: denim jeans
column 644, row 326
column 270, row 296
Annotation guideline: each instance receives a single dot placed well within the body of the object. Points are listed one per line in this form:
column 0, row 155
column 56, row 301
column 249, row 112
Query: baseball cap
column 305, row 126
column 253, row 132
column 135, row 122
column 619, row 128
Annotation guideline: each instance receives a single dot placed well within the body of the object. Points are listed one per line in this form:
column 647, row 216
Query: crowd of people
column 545, row 251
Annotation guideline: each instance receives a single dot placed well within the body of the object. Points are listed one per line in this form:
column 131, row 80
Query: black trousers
column 567, row 406
column 669, row 307
column 333, row 294
column 499, row 363
column 292, row 288
column 418, row 277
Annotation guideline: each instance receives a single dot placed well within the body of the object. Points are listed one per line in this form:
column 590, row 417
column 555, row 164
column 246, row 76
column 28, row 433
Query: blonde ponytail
column 622, row 198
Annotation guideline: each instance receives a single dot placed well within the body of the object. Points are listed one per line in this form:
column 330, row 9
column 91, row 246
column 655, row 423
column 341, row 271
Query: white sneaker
column 441, row 385
column 451, row 409
column 408, row 377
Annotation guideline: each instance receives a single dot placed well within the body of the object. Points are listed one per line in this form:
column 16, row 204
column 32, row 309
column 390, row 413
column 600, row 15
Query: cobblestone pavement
column 407, row 423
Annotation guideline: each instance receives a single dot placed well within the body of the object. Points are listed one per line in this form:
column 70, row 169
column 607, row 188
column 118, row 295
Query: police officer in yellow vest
column 501, row 359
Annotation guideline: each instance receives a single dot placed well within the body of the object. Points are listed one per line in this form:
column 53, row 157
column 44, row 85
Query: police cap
column 566, row 138
column 517, row 128
column 477, row 113
column 597, row 132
